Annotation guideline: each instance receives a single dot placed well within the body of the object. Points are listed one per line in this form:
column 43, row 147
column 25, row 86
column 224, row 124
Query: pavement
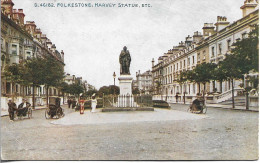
column 251, row 108
column 243, row 108
column 158, row 115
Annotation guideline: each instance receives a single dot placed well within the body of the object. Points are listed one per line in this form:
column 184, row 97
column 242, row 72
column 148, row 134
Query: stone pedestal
column 125, row 84
column 125, row 99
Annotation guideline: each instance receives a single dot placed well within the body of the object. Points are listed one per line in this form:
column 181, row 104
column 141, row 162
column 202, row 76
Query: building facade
column 210, row 46
column 144, row 82
column 21, row 41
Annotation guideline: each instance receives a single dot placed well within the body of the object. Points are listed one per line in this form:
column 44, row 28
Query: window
column 14, row 49
column 180, row 64
column 2, row 41
column 220, row 48
column 193, row 59
column 228, row 44
column 184, row 63
column 212, row 52
column 188, row 61
column 177, row 67
column 204, row 55
column 28, row 55
column 198, row 56
column 6, row 47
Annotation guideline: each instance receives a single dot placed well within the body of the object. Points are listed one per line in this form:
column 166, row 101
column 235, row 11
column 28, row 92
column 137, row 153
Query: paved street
column 220, row 134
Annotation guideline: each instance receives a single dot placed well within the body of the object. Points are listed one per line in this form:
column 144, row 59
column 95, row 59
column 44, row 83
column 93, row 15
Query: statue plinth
column 126, row 98
column 125, row 84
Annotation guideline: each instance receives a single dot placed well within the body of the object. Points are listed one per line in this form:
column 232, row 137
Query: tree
column 232, row 71
column 90, row 92
column 182, row 79
column 13, row 73
column 247, row 52
column 136, row 91
column 33, row 74
column 202, row 74
column 75, row 89
column 54, row 73
column 106, row 90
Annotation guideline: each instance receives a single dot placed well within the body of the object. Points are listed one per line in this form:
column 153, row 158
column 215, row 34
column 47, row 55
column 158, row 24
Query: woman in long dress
column 93, row 103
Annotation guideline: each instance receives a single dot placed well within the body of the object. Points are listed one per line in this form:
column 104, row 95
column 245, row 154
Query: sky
column 92, row 38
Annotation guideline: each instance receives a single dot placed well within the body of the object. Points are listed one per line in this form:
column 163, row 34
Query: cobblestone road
column 225, row 135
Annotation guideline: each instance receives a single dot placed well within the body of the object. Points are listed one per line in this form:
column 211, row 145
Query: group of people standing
column 71, row 102
column 21, row 110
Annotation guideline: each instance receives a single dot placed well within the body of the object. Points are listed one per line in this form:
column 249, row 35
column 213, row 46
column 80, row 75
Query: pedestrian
column 11, row 109
column 177, row 98
column 74, row 103
column 23, row 107
column 69, row 102
column 93, row 103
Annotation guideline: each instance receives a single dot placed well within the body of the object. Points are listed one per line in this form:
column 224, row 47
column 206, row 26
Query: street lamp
column 114, row 76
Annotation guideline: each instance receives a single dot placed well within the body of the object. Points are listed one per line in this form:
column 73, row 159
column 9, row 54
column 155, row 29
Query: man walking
column 11, row 109
column 69, row 102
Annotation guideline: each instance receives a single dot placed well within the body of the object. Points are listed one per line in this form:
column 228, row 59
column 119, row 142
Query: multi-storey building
column 21, row 41
column 210, row 46
column 144, row 81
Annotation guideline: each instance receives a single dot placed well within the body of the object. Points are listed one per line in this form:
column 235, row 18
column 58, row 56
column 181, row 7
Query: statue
column 124, row 60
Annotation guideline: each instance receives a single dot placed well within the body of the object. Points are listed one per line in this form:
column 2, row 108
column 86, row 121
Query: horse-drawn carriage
column 54, row 109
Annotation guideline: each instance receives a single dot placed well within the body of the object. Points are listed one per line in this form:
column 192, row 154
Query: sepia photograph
column 129, row 80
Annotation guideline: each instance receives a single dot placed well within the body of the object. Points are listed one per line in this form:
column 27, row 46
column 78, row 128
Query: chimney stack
column 38, row 33
column 188, row 41
column 7, row 8
column 53, row 48
column 197, row 37
column 62, row 55
column 221, row 23
column 152, row 62
column 30, row 27
column 208, row 29
column 248, row 7
column 18, row 16
column 49, row 43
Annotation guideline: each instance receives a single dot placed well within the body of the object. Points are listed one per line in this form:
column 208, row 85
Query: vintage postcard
column 129, row 80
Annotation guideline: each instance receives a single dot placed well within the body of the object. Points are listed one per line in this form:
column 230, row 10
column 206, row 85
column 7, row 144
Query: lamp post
column 114, row 76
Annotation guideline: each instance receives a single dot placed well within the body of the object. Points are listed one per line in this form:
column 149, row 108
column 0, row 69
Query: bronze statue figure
column 125, row 60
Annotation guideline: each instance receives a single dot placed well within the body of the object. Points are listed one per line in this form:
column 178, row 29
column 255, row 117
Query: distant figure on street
column 23, row 108
column 74, row 103
column 69, row 102
column 177, row 98
column 11, row 109
column 93, row 103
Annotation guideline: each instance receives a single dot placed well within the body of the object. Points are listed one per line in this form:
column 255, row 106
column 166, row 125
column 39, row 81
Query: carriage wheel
column 47, row 115
column 29, row 113
column 58, row 113
column 63, row 114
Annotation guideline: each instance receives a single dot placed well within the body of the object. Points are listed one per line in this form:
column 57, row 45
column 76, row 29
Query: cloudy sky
column 92, row 38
